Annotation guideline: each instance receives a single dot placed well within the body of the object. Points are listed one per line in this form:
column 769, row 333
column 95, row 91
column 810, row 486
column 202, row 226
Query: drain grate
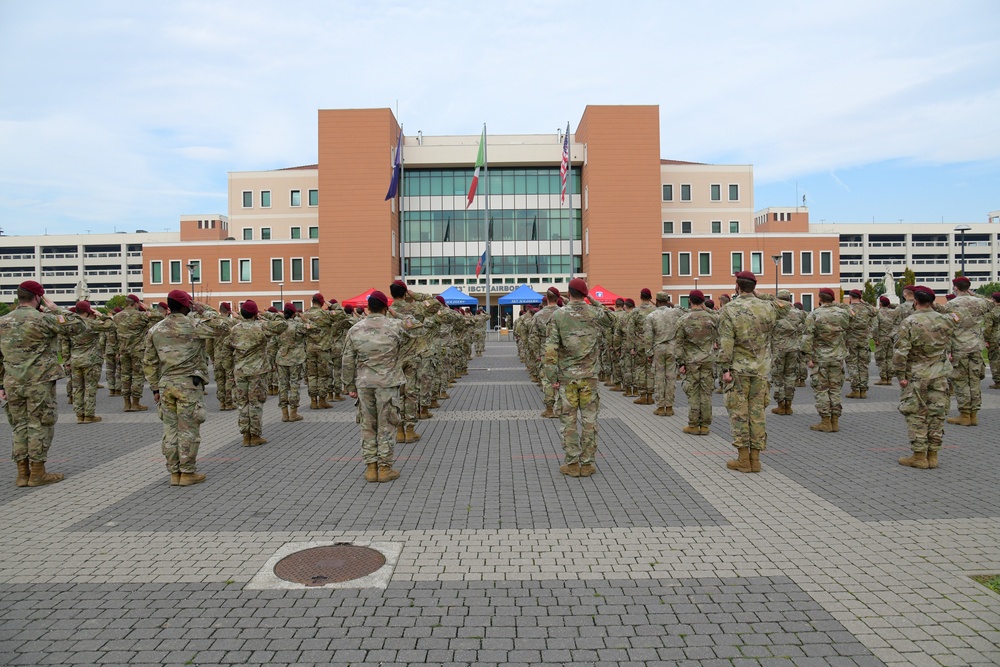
column 329, row 564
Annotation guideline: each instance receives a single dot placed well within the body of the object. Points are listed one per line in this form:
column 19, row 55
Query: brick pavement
column 834, row 556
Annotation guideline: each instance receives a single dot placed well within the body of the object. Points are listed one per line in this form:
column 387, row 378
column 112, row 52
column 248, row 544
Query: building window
column 787, row 263
column 296, row 232
column 668, row 192
column 247, row 199
column 668, row 226
column 737, row 262
column 175, row 271
column 265, row 233
column 704, row 263
column 686, row 227
column 277, row 305
column 393, row 246
column 734, row 226
column 314, row 268
column 684, row 264
column 299, row 305
column 265, row 199
column 685, row 193
column 225, row 270
column 245, row 271
column 314, row 197
column 716, row 192
column 194, row 267
column 734, row 192
column 807, row 302
column 156, row 272
column 277, row 270
column 685, row 301
column 297, row 269
column 757, row 263
column 248, row 235
column 717, row 226
column 807, row 263
column 665, row 262
column 296, row 198
column 826, row 262
column 314, row 232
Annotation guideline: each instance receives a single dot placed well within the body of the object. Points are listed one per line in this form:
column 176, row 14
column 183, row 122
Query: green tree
column 988, row 289
column 6, row 308
column 908, row 278
column 869, row 294
column 116, row 301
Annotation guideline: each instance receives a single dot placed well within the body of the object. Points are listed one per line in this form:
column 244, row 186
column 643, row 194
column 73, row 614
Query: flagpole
column 489, row 277
column 569, row 200
column 402, row 243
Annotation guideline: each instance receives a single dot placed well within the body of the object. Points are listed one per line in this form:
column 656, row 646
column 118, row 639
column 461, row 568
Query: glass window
column 314, row 197
column 245, row 270
column 277, row 305
column 668, row 192
column 296, row 232
column 194, row 266
column 704, row 263
column 757, row 263
column 175, row 270
column 314, row 268
column 156, row 272
column 265, row 233
column 665, row 262
column 734, row 226
column 248, row 235
column 225, row 270
column 686, row 227
column 277, row 270
column 296, row 199
column 314, row 232
column 685, row 193
column 299, row 305
column 297, row 269
column 247, row 199
column 807, row 263
column 716, row 226
column 826, row 262
column 684, row 264
column 265, row 199
column 668, row 227
column 807, row 302
column 685, row 301
column 737, row 262
column 716, row 193
column 787, row 263
column 734, row 192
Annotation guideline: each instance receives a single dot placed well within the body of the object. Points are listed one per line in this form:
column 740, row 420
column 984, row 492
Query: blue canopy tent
column 456, row 297
column 523, row 295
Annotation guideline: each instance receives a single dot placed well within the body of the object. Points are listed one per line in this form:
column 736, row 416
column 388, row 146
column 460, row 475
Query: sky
column 116, row 116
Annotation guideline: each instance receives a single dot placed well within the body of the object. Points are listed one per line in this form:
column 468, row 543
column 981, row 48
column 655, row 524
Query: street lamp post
column 962, row 229
column 281, row 293
column 191, row 267
column 777, row 261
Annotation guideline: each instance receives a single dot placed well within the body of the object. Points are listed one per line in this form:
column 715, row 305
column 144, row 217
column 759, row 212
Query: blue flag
column 481, row 265
column 397, row 168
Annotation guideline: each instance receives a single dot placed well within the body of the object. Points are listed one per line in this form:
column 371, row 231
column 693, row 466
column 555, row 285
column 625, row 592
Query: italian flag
column 480, row 163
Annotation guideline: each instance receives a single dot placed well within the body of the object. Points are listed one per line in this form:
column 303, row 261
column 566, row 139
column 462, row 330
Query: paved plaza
column 834, row 555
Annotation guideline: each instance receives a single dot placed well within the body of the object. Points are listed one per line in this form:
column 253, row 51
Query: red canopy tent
column 606, row 297
column 361, row 300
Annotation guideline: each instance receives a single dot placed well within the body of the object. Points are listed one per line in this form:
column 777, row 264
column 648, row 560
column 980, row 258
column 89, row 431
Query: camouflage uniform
column 131, row 325
column 991, row 335
column 571, row 359
column 921, row 358
column 970, row 311
column 697, row 334
column 615, row 350
column 337, row 353
column 418, row 306
column 66, row 353
column 291, row 354
column 28, row 373
column 786, row 349
column 859, row 352
column 248, row 340
column 659, row 329
column 538, row 333
column 176, row 365
column 884, row 334
column 825, row 345
column 635, row 341
column 222, row 361
column 85, row 364
column 111, row 361
column 319, row 377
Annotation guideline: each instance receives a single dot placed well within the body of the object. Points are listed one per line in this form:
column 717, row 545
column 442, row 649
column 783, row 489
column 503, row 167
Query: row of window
column 714, row 192
column 756, row 266
column 668, row 227
column 456, row 182
column 294, row 198
column 296, row 270
column 265, row 233
column 500, row 265
column 505, row 225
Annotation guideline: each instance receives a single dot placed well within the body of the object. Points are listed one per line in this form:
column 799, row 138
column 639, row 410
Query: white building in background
column 932, row 250
column 97, row 265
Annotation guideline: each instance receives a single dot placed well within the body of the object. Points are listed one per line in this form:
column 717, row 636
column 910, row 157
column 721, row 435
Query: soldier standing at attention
column 825, row 348
column 920, row 360
column 415, row 401
column 132, row 325
column 291, row 344
column 641, row 354
column 614, row 350
column 337, row 348
column 111, row 358
column 29, row 368
column 571, row 362
column 786, row 348
column 970, row 311
column 318, row 373
column 373, row 373
column 803, row 372
column 991, row 332
column 884, row 335
column 248, row 339
column 223, row 360
column 85, row 364
column 697, row 334
column 659, row 329
column 859, row 351
column 539, row 330
column 745, row 361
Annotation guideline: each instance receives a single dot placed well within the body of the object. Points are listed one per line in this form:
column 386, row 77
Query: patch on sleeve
column 955, row 317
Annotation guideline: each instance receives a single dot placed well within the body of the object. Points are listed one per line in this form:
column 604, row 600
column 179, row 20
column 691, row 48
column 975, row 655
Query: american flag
column 564, row 165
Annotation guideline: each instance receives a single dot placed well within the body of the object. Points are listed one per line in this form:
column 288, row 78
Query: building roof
column 680, row 162
column 305, row 166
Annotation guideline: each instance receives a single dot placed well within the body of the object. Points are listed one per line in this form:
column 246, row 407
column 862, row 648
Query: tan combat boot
column 189, row 478
column 257, row 439
column 863, row 392
column 293, row 414
column 547, row 413
column 175, row 479
column 138, row 407
column 570, row 469
column 38, row 476
column 424, row 413
column 932, row 458
column 692, row 429
column 371, row 472
column 754, row 460
column 964, row 419
column 411, row 434
column 788, row 407
column 660, row 412
column 93, row 419
column 400, row 433
column 284, row 413
column 834, row 423
column 444, row 395
column 668, row 411
column 704, row 429
column 973, row 418
column 337, row 397
column 322, row 404
column 916, row 460
column 742, row 463
column 587, row 469
column 387, row 474
column 854, row 394
column 128, row 404
column 23, row 473
column 779, row 409
column 81, row 419
column 616, row 387
column 246, row 439
column 313, row 403
column 825, row 425
column 435, row 404
column 641, row 400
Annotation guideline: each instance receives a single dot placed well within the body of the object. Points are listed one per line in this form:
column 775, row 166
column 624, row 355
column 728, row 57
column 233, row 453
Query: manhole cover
column 328, row 565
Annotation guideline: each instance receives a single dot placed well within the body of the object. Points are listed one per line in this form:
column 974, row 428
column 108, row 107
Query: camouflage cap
column 662, row 296
column 784, row 295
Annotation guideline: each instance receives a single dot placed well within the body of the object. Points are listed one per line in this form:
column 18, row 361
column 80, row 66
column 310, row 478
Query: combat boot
column 964, row 419
column 916, row 460
column 293, row 414
column 92, row 419
column 81, row 419
column 570, row 469
column 128, row 404
column 257, row 439
column 779, row 409
column 387, row 474
column 23, row 473
column 932, row 461
column 246, row 439
column 444, row 395
column 371, row 472
column 754, row 460
column 854, row 394
column 284, row 413
column 547, row 413
column 692, row 429
column 800, row 383
column 973, row 418
column 704, row 429
column 788, row 407
column 587, row 469
column 834, row 423
column 411, row 433
column 435, row 404
column 322, row 404
column 742, row 463
column 337, row 397
column 313, row 403
column 424, row 413
column 825, row 425
column 660, row 411
column 400, row 433
column 175, row 479
column 864, row 393
column 616, row 387
column 189, row 478
column 668, row 411
column 995, row 385
column 138, row 407
column 38, row 477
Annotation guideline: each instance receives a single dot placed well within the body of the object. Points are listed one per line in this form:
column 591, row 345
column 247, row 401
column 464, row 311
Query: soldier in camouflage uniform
column 132, row 324
column 111, row 359
column 291, row 355
column 29, row 368
column 539, row 332
column 920, row 360
column 319, row 379
column 803, row 373
column 85, row 364
column 786, row 348
column 373, row 374
column 697, row 334
column 991, row 334
column 337, row 337
column 223, row 361
column 745, row 327
column 531, row 355
column 825, row 348
column 969, row 310
column 884, row 335
column 859, row 352
column 272, row 352
column 176, row 365
column 571, row 362
column 659, row 330
column 641, row 355
column 420, row 307
column 248, row 339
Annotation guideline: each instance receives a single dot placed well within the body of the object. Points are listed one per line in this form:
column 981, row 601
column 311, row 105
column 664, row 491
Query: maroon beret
column 579, row 285
column 333, row 302
column 118, row 309
column 923, row 289
column 441, row 299
column 225, row 305
column 133, row 298
column 318, row 297
column 996, row 296
column 630, row 302
column 72, row 309
column 380, row 297
column 696, row 294
column 884, row 300
column 907, row 288
column 961, row 280
column 349, row 309
column 949, row 297
column 290, row 307
column 272, row 309
column 827, row 290
column 180, row 296
column 645, row 293
column 746, row 275
column 399, row 283
column 553, row 290
column 33, row 287
column 249, row 306
column 798, row 304
column 709, row 304
column 856, row 293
